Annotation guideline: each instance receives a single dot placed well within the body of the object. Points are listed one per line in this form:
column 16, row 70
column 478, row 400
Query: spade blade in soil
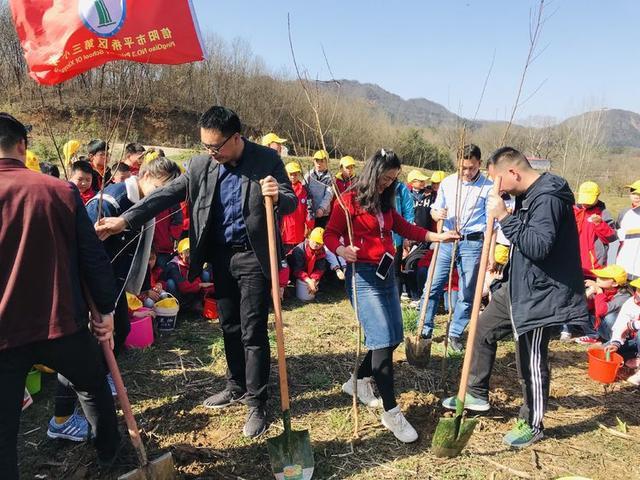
column 291, row 455
column 162, row 468
column 452, row 435
column 418, row 351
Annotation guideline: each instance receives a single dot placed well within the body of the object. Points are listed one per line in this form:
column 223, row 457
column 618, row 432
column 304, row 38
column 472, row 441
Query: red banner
column 63, row 38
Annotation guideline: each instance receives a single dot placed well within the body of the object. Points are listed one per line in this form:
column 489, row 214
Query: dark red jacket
column 168, row 230
column 370, row 237
column 425, row 261
column 292, row 226
column 47, row 244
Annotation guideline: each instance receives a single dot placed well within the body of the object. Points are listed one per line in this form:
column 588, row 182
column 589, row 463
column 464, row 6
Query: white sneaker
column 365, row 392
column 634, row 379
column 394, row 420
column 565, row 336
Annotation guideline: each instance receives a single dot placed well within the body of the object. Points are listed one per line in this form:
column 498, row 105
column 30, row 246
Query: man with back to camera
column 542, row 288
column 228, row 229
column 50, row 327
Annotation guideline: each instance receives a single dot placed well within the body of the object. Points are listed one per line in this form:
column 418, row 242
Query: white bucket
column 302, row 291
column 166, row 318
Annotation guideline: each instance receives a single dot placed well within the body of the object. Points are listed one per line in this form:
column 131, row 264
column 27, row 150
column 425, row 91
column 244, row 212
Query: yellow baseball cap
column 437, row 176
column 317, row 235
column 416, row 175
column 321, row 155
column 183, row 245
column 615, row 272
column 133, row 302
column 501, row 254
column 347, row 161
column 635, row 186
column 293, row 167
column 270, row 138
column 69, row 149
column 588, row 193
column 635, row 283
column 31, row 161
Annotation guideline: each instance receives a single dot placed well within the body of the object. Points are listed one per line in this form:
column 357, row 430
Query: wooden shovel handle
column 125, row 405
column 427, row 286
column 277, row 307
column 477, row 299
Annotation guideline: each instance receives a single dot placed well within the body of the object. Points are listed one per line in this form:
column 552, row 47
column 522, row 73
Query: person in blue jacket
column 404, row 206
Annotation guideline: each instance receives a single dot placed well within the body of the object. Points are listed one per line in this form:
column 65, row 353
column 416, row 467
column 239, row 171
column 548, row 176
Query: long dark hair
column 367, row 182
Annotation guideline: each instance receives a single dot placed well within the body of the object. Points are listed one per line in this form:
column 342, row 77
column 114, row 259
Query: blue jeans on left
column 467, row 262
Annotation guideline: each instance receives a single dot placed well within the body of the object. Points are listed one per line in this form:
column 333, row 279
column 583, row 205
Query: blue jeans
column 467, row 262
column 606, row 325
column 378, row 306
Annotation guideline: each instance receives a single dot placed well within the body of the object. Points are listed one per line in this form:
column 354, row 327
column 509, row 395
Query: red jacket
column 308, row 263
column 589, row 234
column 185, row 216
column 87, row 195
column 156, row 276
column 370, row 237
column 342, row 184
column 425, row 261
column 168, row 230
column 292, row 226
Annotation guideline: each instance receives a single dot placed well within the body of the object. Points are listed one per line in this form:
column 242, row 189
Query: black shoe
column 425, row 336
column 455, row 344
column 223, row 399
column 256, row 423
column 112, row 458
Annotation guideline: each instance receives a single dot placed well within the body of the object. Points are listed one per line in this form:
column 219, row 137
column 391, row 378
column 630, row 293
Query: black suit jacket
column 198, row 185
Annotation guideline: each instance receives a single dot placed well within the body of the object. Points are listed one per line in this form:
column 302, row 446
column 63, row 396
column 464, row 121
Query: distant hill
column 620, row 128
column 415, row 111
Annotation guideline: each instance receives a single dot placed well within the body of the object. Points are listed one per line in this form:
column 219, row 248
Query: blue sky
column 442, row 49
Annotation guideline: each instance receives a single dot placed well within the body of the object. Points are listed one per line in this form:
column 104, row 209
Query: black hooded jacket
column 545, row 280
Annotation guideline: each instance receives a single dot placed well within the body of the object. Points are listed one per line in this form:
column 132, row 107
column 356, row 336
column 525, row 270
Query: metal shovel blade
column 452, row 435
column 418, row 351
column 162, row 468
column 291, row 455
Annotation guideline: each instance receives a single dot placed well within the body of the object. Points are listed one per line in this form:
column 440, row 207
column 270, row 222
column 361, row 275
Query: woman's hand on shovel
column 446, row 237
column 102, row 328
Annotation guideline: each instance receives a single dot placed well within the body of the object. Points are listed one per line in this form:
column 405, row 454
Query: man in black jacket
column 542, row 288
column 228, row 228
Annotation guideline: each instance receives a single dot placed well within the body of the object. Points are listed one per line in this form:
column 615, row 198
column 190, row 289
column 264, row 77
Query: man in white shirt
column 465, row 212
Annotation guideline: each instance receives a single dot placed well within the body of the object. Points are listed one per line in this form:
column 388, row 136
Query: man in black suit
column 225, row 190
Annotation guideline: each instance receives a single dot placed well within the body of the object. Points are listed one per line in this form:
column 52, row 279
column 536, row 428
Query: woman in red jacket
column 370, row 205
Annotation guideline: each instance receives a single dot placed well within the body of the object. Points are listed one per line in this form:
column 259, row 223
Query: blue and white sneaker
column 76, row 428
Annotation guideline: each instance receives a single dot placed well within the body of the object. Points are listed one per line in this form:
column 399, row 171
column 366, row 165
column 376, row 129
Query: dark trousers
column 121, row 324
column 532, row 349
column 242, row 294
column 77, row 357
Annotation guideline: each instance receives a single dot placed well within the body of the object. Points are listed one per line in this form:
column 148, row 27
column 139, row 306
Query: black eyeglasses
column 215, row 149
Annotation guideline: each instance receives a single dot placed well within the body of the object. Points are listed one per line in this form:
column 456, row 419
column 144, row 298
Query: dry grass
column 168, row 381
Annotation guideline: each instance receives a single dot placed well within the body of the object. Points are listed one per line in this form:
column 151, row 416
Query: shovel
column 417, row 349
column 453, row 433
column 161, row 468
column 290, row 452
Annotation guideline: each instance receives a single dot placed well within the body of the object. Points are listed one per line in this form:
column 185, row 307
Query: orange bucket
column 603, row 370
column 210, row 310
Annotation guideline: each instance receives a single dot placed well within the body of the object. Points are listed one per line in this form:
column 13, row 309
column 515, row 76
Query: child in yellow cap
column 308, row 262
column 629, row 233
column 624, row 335
column 606, row 295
